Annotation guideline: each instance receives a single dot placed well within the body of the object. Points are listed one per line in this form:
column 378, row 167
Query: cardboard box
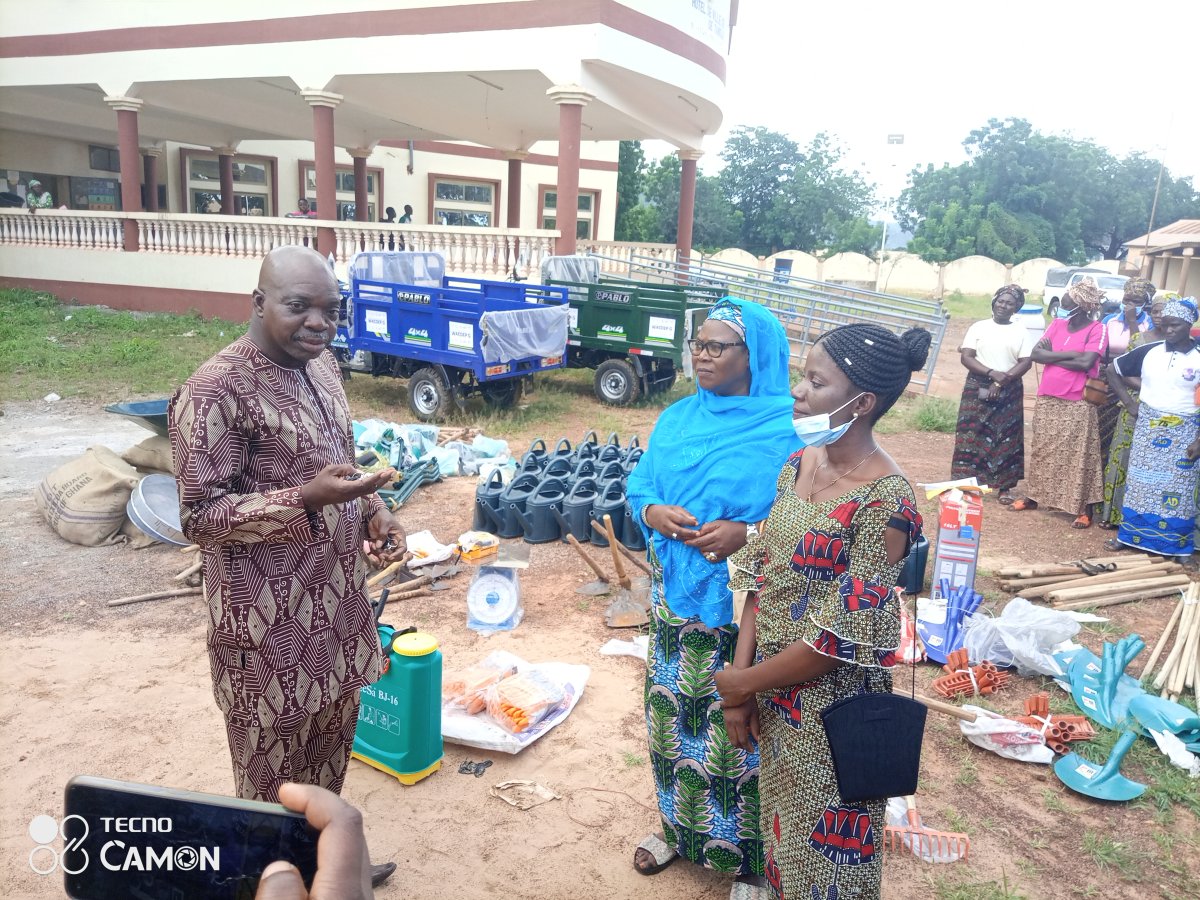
column 960, row 520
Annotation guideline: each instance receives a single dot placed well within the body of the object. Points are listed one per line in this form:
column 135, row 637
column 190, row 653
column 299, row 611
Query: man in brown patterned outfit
column 262, row 440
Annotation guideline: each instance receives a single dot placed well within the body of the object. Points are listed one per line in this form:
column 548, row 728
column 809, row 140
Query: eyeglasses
column 713, row 348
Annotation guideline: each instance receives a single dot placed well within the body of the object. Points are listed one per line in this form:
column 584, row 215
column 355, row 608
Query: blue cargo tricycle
column 450, row 337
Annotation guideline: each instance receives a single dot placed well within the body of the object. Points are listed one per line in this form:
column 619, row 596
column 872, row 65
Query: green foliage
column 976, row 890
column 722, row 857
column 692, row 810
column 665, row 745
column 724, row 762
column 1023, row 194
column 771, row 195
column 1108, row 853
column 631, row 168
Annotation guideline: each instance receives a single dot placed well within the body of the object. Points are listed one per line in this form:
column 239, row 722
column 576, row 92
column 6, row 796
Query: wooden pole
column 1115, row 599
column 1162, row 640
column 383, row 575
column 948, row 709
column 625, row 551
column 1124, row 587
column 1106, row 578
column 1185, row 626
column 156, row 595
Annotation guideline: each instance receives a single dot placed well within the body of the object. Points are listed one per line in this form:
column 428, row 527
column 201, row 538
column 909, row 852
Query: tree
column 1023, row 194
column 790, row 198
column 631, row 167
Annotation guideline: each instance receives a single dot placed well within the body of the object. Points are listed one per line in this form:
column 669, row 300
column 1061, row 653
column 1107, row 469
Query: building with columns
column 170, row 129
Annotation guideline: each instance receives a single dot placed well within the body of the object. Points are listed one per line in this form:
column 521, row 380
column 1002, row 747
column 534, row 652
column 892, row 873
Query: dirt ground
column 125, row 693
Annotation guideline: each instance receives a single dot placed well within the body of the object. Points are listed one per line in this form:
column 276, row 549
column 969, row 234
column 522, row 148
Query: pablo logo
column 44, row 859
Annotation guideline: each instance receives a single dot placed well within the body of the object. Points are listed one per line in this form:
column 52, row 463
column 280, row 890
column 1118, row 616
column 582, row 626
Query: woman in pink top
column 1064, row 456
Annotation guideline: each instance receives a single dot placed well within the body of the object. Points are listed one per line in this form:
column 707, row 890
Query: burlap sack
column 84, row 500
column 152, row 456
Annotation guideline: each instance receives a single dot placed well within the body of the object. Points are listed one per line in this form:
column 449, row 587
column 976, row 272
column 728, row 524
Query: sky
column 1121, row 74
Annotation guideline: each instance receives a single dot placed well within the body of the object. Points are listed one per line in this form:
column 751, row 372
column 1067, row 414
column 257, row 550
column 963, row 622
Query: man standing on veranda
column 262, row 440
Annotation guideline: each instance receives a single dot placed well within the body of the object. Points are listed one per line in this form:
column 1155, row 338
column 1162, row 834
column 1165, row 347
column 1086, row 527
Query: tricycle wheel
column 503, row 394
column 617, row 382
column 429, row 396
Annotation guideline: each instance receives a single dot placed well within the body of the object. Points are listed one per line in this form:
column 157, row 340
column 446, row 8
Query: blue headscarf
column 719, row 458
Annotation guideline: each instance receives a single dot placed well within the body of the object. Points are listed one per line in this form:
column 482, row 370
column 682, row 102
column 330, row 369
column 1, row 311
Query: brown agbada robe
column 290, row 625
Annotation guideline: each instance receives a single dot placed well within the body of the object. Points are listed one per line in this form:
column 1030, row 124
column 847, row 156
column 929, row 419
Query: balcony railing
column 468, row 251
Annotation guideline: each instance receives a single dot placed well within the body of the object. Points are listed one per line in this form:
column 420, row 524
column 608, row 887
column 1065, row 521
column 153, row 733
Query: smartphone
column 123, row 839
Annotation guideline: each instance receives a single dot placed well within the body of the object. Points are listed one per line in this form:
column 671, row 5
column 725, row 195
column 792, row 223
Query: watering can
column 531, row 464
column 609, row 453
column 631, row 460
column 540, row 518
column 576, row 514
column 558, row 467
column 632, row 535
column 537, row 451
column 505, row 522
column 614, row 440
column 563, row 450
column 612, row 471
column 634, row 445
column 487, row 495
column 589, row 445
column 585, row 468
column 610, row 502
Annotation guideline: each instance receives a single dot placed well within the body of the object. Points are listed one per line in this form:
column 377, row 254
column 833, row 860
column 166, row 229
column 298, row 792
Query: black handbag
column 875, row 740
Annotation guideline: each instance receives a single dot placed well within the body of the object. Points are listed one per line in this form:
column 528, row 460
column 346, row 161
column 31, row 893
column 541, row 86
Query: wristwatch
column 751, row 532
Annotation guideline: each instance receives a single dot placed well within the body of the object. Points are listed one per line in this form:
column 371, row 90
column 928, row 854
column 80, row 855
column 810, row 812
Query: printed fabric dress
column 707, row 788
column 820, row 575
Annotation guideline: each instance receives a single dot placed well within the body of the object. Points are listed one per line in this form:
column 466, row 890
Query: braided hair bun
column 876, row 360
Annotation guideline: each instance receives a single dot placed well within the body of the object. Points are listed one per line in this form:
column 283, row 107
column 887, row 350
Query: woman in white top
column 1159, row 510
column 990, row 437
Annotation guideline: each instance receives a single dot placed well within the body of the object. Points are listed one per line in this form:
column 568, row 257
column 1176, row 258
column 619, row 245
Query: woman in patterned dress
column 703, row 483
column 822, row 623
column 1158, row 514
column 1065, row 467
column 989, row 439
column 1121, row 326
column 1118, row 451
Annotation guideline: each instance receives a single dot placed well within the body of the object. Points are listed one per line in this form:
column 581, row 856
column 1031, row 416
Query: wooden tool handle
column 946, row 708
column 384, row 575
column 574, row 542
column 625, row 551
column 618, row 563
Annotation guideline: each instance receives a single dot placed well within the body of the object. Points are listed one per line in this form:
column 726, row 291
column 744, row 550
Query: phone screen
column 144, row 842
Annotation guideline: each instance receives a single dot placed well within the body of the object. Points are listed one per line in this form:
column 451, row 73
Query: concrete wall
column 804, row 265
column 907, row 273
column 849, row 267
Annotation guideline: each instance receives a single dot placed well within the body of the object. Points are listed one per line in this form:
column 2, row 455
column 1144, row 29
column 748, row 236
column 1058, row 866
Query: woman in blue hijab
column 702, row 486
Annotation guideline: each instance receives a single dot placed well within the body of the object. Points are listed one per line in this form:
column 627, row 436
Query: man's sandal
column 1023, row 504
column 1084, row 521
column 659, row 851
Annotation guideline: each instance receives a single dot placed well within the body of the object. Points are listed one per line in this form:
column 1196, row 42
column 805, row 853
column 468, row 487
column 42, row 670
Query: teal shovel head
column 1102, row 782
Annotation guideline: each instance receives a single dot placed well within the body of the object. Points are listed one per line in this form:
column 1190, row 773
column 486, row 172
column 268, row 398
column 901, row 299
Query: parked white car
column 1060, row 279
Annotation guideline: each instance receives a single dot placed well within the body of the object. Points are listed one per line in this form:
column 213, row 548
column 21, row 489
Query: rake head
column 928, row 844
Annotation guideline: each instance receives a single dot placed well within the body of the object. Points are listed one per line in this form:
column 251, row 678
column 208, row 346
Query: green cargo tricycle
column 632, row 333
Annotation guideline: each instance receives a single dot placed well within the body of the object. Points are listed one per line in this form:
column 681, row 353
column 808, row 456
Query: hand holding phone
column 137, row 840
column 343, row 868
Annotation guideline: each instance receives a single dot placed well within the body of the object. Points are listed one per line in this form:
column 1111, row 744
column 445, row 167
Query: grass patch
column 1053, row 801
column 968, row 772
column 98, row 353
column 968, row 306
column 1168, row 789
column 946, row 889
column 938, row 414
column 1107, row 853
column 632, row 760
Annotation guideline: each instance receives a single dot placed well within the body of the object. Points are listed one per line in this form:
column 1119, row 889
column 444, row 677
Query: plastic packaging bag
column 489, row 448
column 1005, row 737
column 1023, row 635
column 520, row 701
column 481, row 732
column 467, row 689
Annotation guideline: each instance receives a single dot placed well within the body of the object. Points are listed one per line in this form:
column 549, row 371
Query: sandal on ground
column 1114, row 544
column 659, row 851
column 1108, row 526
column 1006, row 498
column 1084, row 521
column 1023, row 504
column 744, row 890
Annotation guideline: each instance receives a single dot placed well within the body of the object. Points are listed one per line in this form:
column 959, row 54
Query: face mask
column 815, row 431
column 1065, row 313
